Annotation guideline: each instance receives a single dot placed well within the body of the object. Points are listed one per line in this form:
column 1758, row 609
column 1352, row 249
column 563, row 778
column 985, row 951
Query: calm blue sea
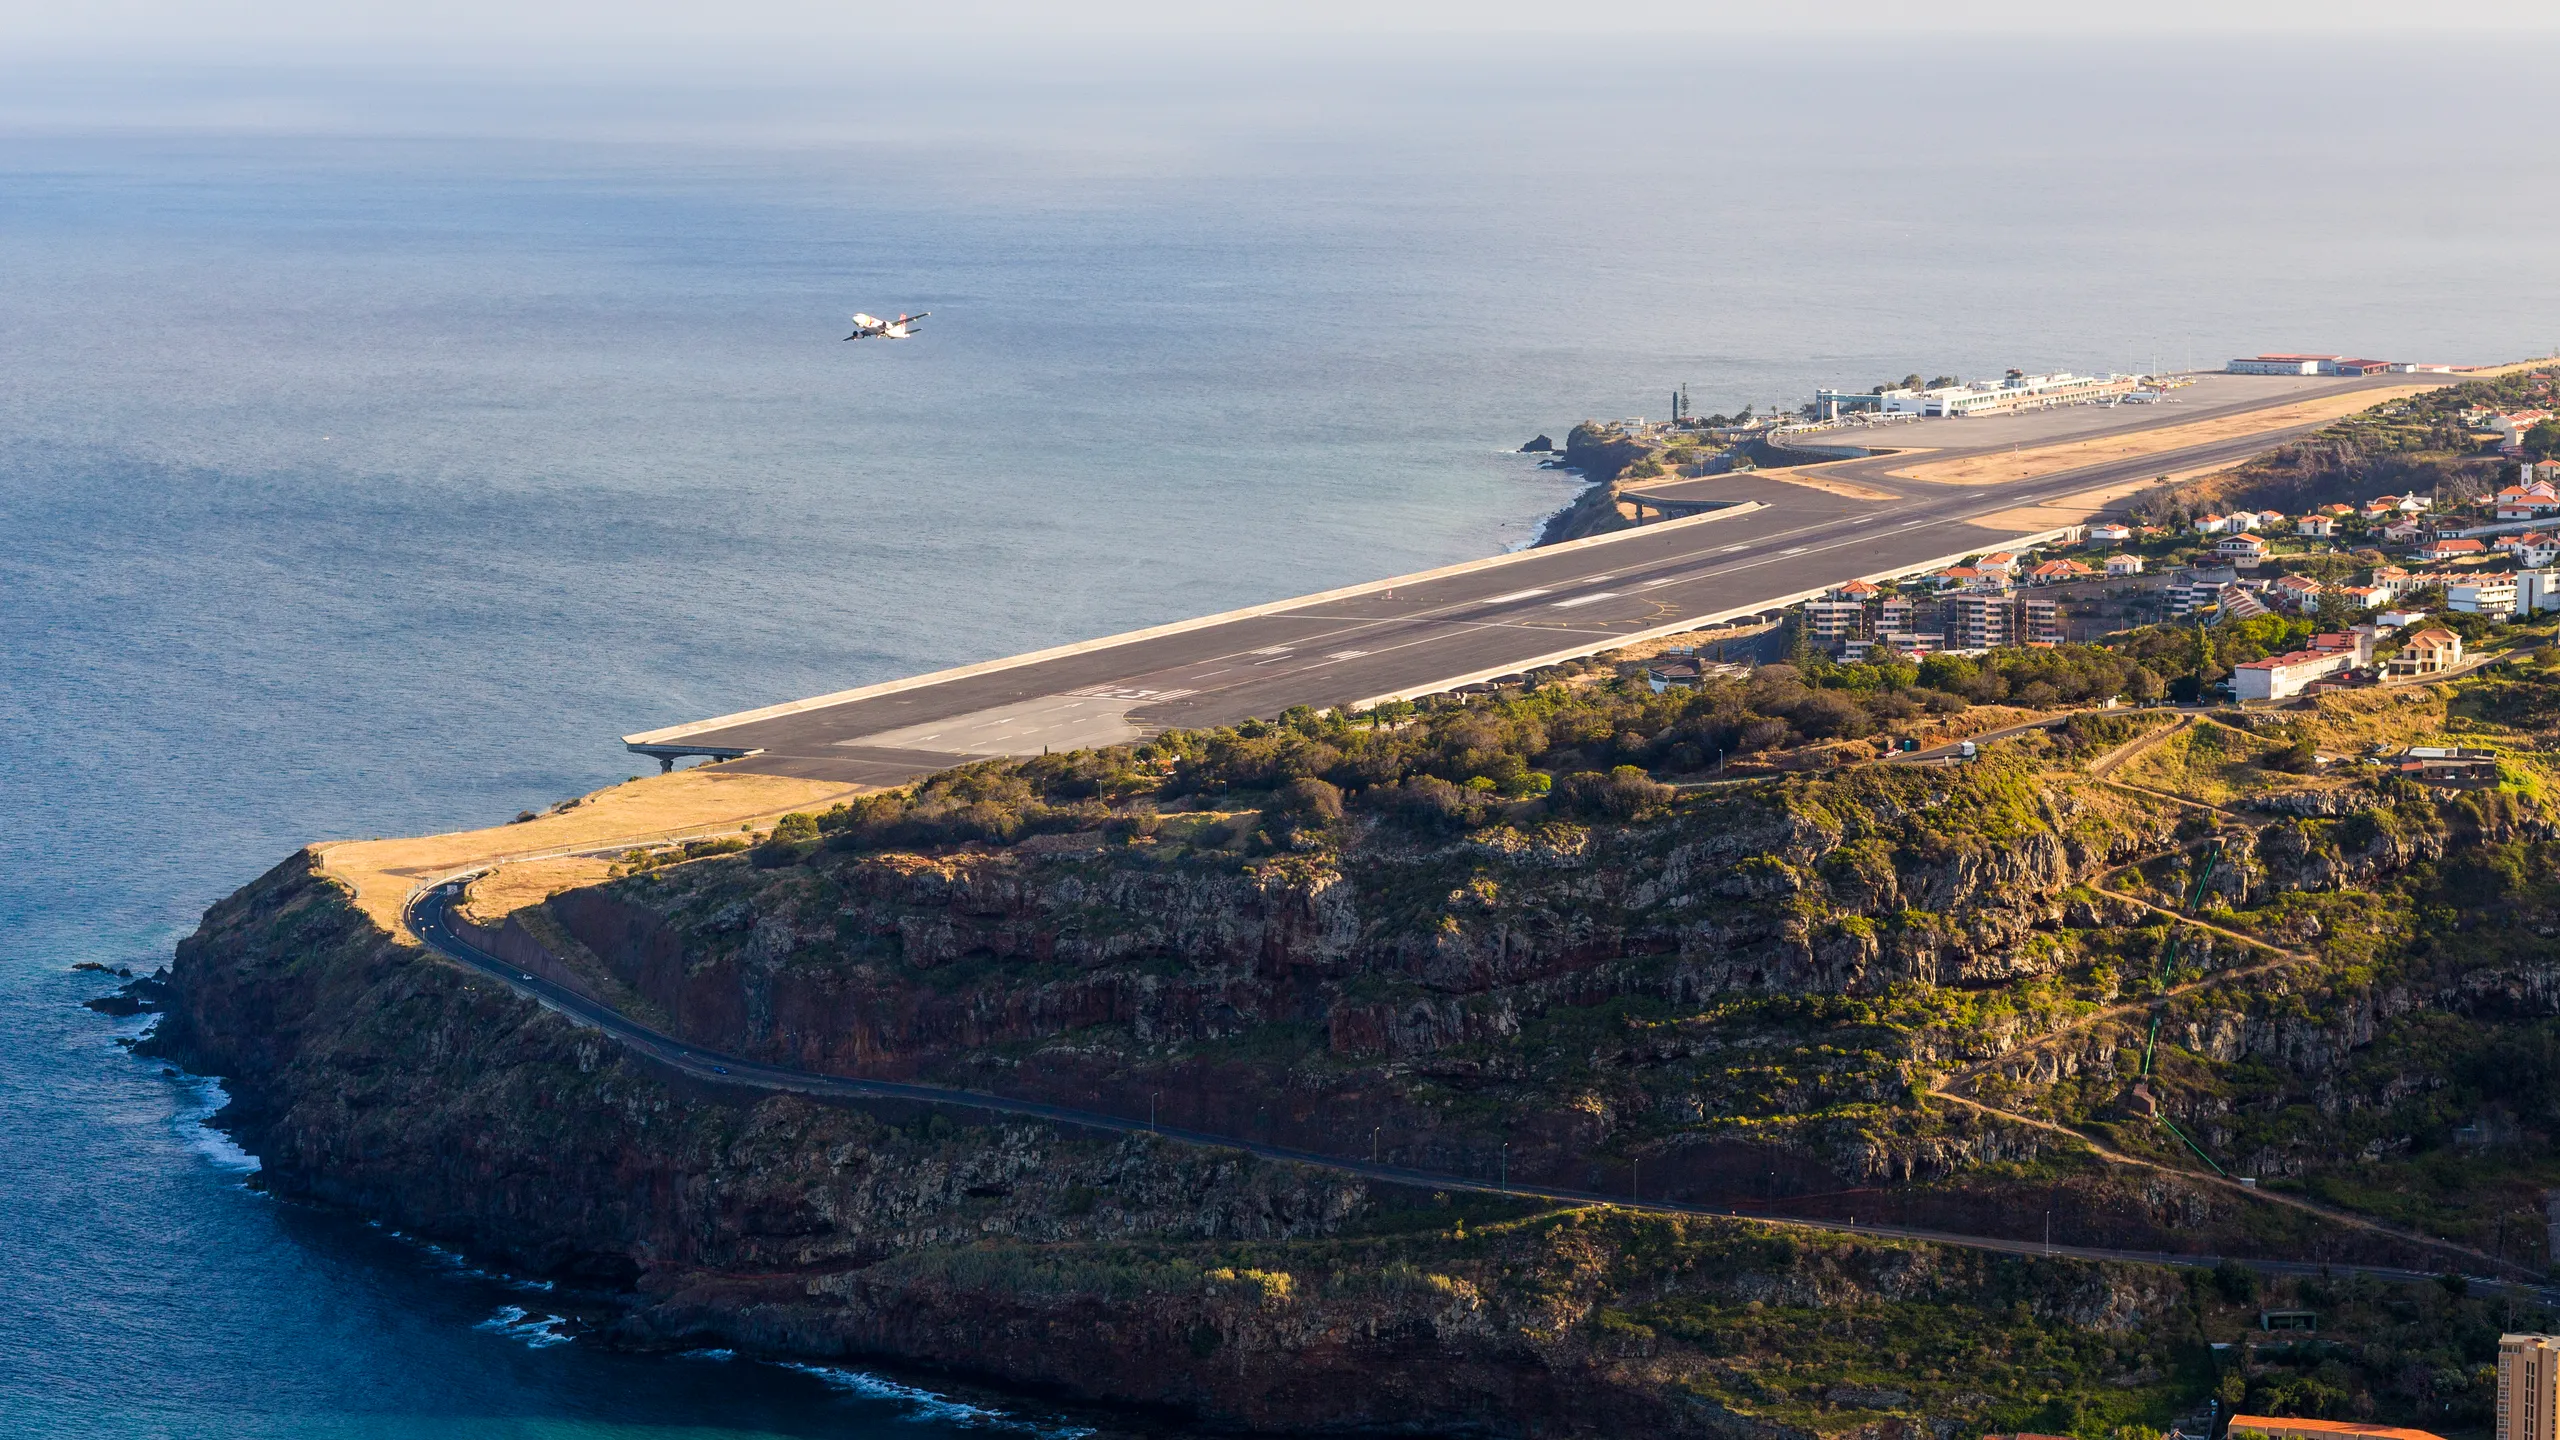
column 374, row 448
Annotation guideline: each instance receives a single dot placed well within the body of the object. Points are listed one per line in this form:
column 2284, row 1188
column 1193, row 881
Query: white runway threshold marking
column 1584, row 600
column 1097, row 716
column 1516, row 595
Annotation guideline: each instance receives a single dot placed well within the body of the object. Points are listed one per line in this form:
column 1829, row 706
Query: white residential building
column 2482, row 595
column 2280, row 677
column 2537, row 591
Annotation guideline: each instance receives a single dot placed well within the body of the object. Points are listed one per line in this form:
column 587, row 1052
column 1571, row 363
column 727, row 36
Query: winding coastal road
column 428, row 919
column 1770, row 538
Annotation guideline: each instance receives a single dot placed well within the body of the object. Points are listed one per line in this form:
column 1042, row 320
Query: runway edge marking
column 691, row 728
column 1620, row 642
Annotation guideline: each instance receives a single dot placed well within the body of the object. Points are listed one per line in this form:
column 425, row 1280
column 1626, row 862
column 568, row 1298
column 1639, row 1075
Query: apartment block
column 2040, row 621
column 1977, row 622
column 2528, row 1387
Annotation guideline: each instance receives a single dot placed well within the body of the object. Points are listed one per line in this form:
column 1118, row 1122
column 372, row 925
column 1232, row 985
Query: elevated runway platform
column 1772, row 538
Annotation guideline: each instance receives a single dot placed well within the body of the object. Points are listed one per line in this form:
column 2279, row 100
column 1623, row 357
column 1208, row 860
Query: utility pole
column 1635, row 1182
column 1373, row 1144
column 1505, row 1172
column 1151, row 1110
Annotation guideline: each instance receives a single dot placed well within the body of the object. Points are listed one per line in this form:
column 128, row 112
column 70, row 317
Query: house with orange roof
column 2252, row 548
column 2534, row 501
column 2280, row 1427
column 2296, row 592
column 2452, row 550
column 2317, row 527
column 2511, row 427
column 2429, row 652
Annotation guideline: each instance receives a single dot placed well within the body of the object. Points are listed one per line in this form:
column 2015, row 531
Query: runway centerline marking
column 1584, row 600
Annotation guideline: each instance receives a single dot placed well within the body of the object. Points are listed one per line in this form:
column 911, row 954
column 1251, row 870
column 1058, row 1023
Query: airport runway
column 1776, row 540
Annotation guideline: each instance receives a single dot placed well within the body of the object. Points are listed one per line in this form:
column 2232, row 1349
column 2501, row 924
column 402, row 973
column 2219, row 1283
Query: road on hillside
column 427, row 919
column 1779, row 538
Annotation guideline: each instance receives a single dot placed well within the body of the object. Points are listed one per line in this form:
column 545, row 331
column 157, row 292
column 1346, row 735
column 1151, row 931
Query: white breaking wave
column 206, row 1098
column 517, row 1323
column 927, row 1402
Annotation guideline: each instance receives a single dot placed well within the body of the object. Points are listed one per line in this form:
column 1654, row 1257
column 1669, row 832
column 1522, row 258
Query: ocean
column 376, row 447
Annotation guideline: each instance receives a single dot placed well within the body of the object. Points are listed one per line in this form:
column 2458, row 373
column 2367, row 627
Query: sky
column 825, row 31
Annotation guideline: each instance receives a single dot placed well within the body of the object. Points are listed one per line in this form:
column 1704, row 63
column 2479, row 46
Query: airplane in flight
column 872, row 327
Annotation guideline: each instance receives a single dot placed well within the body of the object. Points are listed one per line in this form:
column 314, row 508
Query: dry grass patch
column 2085, row 506
column 2001, row 467
column 2491, row 372
column 509, row 888
column 2206, row 762
column 2344, row 722
column 659, row 809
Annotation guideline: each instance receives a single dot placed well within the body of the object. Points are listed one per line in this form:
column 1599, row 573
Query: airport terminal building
column 2016, row 391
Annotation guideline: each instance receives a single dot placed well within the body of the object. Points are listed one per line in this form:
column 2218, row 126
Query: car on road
column 719, row 1069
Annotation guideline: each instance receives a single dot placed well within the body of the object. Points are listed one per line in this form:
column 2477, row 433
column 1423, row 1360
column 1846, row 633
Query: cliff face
column 370, row 1074
column 1351, row 998
column 1748, row 993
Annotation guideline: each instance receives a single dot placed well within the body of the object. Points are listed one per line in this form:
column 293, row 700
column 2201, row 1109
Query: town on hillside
column 2396, row 587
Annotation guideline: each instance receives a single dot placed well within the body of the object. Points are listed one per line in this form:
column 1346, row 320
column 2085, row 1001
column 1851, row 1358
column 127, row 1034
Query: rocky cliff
column 1762, row 996
column 370, row 1074
column 1433, row 1000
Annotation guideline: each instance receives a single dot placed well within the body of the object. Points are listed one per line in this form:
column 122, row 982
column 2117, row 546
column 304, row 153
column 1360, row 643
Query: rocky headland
column 1478, row 939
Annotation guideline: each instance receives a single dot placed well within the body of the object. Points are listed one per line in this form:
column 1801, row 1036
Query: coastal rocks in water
column 144, row 995
column 1540, row 446
column 1602, row 452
